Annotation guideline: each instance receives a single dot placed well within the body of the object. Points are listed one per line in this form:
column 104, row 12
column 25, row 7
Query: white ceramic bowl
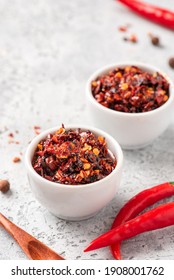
column 132, row 130
column 75, row 202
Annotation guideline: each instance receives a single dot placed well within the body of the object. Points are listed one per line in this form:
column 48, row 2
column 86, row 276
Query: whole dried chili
column 73, row 157
column 137, row 204
column 130, row 90
column 151, row 12
column 159, row 217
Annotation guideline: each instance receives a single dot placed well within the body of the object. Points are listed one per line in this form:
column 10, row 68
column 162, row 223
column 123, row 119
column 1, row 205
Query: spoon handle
column 32, row 247
column 9, row 226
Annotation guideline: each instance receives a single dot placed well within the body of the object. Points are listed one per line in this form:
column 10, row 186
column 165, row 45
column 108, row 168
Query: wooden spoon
column 32, row 247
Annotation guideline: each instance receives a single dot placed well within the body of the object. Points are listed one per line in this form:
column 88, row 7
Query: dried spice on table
column 171, row 62
column 11, row 138
column 122, row 28
column 4, row 186
column 11, row 135
column 132, row 38
column 37, row 129
column 73, row 157
column 16, row 159
column 130, row 90
column 154, row 39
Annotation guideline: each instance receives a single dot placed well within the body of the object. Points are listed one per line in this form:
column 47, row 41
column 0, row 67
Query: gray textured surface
column 48, row 49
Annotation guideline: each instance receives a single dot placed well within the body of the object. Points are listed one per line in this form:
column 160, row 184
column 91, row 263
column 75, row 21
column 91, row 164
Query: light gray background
column 48, row 49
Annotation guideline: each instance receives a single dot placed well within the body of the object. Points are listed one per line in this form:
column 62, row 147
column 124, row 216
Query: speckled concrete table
column 48, row 49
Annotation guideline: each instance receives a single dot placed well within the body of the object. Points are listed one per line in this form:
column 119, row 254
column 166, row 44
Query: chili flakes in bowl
column 73, row 157
column 130, row 90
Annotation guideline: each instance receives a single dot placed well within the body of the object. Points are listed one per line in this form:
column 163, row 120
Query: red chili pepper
column 151, row 12
column 137, row 204
column 159, row 217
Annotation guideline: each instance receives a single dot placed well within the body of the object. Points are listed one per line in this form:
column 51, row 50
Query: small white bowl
column 75, row 202
column 132, row 130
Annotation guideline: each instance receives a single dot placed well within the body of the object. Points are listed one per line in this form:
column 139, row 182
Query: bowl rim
column 141, row 65
column 32, row 146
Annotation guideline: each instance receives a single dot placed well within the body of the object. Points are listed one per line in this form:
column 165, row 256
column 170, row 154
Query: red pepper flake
column 11, row 135
column 122, row 28
column 132, row 38
column 13, row 142
column 131, row 90
column 37, row 127
column 73, row 157
column 16, row 159
column 11, row 139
